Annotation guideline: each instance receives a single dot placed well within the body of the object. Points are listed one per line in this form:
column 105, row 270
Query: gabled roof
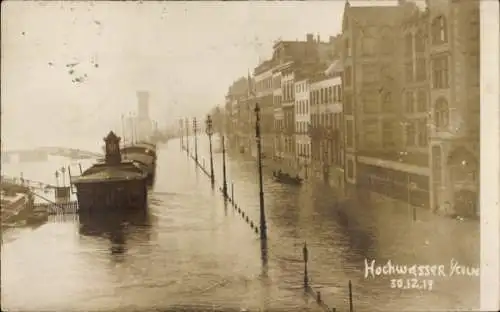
column 334, row 68
column 372, row 15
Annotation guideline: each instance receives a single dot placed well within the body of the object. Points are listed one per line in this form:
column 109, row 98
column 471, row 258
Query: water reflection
column 117, row 227
column 264, row 277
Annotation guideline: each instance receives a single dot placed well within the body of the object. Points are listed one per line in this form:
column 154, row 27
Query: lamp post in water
column 210, row 132
column 224, row 180
column 187, row 136
column 263, row 227
column 195, row 130
column 181, row 133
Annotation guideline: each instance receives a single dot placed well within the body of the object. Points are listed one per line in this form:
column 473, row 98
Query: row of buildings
column 389, row 105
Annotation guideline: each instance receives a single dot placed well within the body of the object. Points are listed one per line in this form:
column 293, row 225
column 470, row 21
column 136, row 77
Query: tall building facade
column 326, row 125
column 302, row 122
column 236, row 112
column 423, row 151
column 290, row 60
column 454, row 100
column 263, row 78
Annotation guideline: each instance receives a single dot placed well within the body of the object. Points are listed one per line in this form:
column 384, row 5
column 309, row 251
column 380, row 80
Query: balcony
column 411, row 158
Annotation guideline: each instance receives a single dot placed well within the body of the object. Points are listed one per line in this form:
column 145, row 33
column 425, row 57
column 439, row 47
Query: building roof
column 105, row 173
column 238, row 88
column 335, row 67
column 370, row 15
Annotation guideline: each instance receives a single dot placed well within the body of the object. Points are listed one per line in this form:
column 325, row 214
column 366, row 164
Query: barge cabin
column 113, row 185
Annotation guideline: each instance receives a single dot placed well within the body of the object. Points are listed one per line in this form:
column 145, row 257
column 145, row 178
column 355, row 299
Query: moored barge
column 144, row 154
column 114, row 184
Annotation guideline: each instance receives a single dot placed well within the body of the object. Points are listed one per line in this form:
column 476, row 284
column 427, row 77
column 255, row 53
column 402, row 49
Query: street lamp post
column 224, row 182
column 210, row 132
column 263, row 227
column 181, row 132
column 325, row 165
column 187, row 136
column 195, row 130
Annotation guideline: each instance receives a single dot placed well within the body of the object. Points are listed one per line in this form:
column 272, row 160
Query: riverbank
column 15, row 208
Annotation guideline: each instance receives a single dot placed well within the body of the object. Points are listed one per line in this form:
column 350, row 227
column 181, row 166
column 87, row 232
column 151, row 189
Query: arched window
column 420, row 41
column 441, row 113
column 408, row 44
column 439, row 30
column 368, row 45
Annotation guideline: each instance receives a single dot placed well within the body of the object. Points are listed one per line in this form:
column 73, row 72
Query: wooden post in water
column 306, row 258
column 351, row 309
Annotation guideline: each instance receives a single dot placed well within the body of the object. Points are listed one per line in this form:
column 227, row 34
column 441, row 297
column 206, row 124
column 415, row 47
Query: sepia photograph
column 237, row 156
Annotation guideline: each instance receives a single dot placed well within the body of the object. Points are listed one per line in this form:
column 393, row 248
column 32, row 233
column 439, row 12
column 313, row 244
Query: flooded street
column 193, row 250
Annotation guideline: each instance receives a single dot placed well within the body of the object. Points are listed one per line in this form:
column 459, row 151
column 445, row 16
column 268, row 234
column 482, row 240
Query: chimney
column 310, row 37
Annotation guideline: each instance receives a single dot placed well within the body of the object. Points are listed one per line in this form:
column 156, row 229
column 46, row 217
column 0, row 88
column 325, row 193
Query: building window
column 368, row 46
column 348, row 104
column 441, row 114
column 347, row 47
column 410, row 133
column 387, row 102
column 408, row 45
column 421, row 72
column 348, row 76
column 409, row 71
column 439, row 30
column 349, row 133
column 371, row 133
column 440, row 72
column 350, row 169
column 386, row 43
column 422, row 101
column 474, row 29
column 422, row 132
column 420, row 42
column 369, row 73
column 409, row 102
column 370, row 103
column 388, row 134
column 474, row 69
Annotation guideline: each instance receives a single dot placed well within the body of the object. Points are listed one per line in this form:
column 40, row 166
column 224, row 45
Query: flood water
column 193, row 251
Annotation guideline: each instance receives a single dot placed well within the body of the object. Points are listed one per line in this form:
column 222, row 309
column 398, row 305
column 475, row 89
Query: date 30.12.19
column 412, row 283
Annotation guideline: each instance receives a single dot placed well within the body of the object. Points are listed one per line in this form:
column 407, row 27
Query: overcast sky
column 185, row 54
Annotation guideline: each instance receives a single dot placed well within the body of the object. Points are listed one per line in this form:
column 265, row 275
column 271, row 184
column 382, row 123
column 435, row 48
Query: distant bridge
column 42, row 153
